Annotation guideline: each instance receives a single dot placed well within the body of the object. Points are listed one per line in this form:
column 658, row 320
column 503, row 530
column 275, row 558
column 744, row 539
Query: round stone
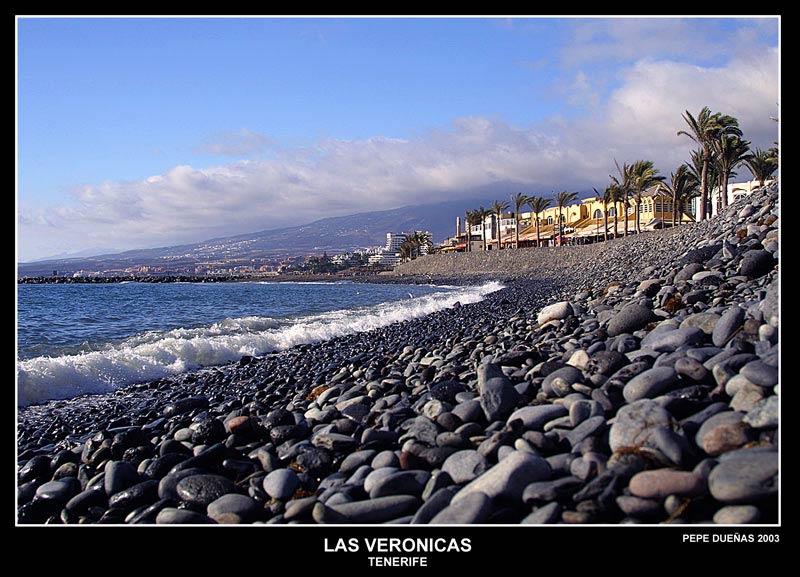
column 281, row 483
column 659, row 483
column 745, row 478
column 464, row 466
column 631, row 318
column 204, row 489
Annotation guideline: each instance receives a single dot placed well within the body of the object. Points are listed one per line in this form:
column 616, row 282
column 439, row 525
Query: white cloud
column 639, row 120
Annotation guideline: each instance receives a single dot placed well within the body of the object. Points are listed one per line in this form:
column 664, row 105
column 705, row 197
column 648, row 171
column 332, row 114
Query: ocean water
column 74, row 339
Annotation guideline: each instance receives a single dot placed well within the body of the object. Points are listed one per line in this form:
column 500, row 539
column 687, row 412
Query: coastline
column 453, row 403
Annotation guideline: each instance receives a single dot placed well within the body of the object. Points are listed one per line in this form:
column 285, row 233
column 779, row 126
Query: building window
column 549, row 220
column 612, row 211
column 563, row 218
column 598, row 214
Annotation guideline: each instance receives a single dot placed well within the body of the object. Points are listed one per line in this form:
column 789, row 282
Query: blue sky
column 148, row 132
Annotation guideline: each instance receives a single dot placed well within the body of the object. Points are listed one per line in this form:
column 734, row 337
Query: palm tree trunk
column 638, row 214
column 674, row 208
column 724, row 190
column 516, row 229
column 704, row 186
column 605, row 222
column 538, row 240
column 616, row 233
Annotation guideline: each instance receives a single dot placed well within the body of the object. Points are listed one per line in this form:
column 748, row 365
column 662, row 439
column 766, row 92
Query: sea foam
column 155, row 354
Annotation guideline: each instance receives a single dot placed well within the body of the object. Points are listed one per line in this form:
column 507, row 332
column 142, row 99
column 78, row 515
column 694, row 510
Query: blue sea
column 74, row 339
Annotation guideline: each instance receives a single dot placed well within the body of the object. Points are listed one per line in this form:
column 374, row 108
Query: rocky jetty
column 635, row 383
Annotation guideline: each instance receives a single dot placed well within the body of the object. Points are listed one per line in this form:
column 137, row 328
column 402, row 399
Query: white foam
column 156, row 354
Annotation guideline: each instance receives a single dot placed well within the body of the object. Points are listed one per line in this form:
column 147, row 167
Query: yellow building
column 581, row 222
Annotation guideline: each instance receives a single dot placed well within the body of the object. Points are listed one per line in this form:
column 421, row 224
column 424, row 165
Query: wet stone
column 204, row 489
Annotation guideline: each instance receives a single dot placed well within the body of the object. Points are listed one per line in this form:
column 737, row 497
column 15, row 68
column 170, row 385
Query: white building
column 384, row 258
column 394, row 240
column 735, row 191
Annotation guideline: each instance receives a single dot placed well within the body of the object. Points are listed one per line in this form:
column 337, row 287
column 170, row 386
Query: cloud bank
column 639, row 119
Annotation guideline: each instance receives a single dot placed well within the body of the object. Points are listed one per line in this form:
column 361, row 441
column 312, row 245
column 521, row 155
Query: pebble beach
column 629, row 382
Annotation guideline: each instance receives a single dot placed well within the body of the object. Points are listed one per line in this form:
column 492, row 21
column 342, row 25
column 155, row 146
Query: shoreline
column 513, row 409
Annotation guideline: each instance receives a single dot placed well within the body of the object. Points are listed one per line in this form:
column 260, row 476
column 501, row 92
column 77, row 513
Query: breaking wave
column 155, row 354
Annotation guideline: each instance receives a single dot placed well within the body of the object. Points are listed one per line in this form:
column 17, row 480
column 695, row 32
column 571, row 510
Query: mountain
column 333, row 235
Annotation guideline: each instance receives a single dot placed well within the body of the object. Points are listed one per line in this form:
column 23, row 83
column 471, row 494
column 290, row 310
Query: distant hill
column 334, row 234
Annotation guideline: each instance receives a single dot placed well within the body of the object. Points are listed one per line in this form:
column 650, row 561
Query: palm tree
column 562, row 199
column 643, row 175
column 406, row 249
column 704, row 130
column 518, row 201
column 422, row 240
column 731, row 151
column 468, row 218
column 538, row 204
column 481, row 214
column 683, row 186
column 498, row 208
column 617, row 195
column 605, row 198
column 622, row 190
column 762, row 163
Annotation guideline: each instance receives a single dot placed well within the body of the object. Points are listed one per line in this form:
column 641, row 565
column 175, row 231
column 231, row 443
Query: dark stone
column 138, row 495
column 498, row 395
column 446, row 391
column 204, row 489
column 756, row 263
column 630, row 318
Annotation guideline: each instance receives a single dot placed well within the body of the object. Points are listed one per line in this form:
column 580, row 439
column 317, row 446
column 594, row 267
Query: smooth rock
column 746, row 478
column 756, row 263
column 119, row 475
column 377, row 510
column 498, row 395
column 464, row 466
column 630, row 318
column 556, row 311
column 281, row 483
column 760, row 373
column 670, row 340
column 659, row 483
column 737, row 515
column 233, row 503
column 204, row 489
column 722, row 432
column 764, row 415
column 172, row 516
column 508, row 478
column 636, row 424
column 534, row 418
column 727, row 326
column 473, row 508
column 545, row 515
column 650, row 384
